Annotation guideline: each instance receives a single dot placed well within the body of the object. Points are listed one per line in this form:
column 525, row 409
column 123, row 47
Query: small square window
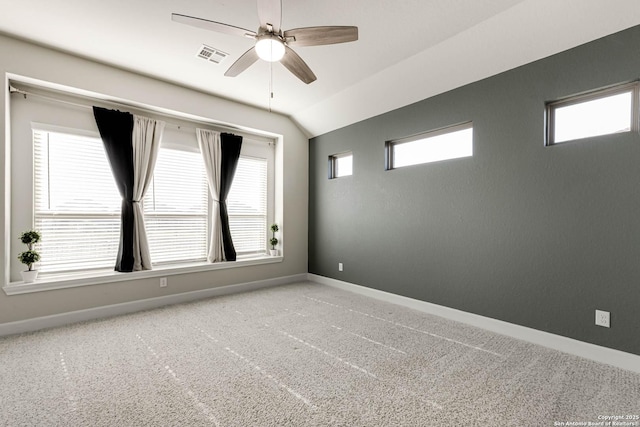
column 340, row 165
column 601, row 113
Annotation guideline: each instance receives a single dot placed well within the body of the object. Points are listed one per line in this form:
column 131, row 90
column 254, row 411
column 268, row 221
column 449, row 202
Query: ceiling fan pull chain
column 270, row 84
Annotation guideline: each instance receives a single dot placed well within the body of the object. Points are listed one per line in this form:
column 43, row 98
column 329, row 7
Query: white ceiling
column 407, row 50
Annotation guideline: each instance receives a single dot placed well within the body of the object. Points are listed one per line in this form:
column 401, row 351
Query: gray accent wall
column 533, row 235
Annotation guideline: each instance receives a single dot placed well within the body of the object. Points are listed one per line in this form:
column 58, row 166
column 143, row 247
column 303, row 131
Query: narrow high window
column 599, row 113
column 443, row 144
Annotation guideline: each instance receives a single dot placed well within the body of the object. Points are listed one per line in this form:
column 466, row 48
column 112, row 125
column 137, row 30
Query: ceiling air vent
column 211, row 54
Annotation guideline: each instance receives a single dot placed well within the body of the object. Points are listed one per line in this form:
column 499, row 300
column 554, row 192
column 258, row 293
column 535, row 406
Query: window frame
column 58, row 111
column 333, row 164
column 390, row 144
column 160, row 215
column 253, row 148
column 57, row 214
column 552, row 106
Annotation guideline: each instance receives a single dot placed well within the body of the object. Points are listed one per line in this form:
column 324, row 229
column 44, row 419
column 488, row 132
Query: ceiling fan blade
column 270, row 12
column 245, row 61
column 297, row 66
column 212, row 25
column 315, row 36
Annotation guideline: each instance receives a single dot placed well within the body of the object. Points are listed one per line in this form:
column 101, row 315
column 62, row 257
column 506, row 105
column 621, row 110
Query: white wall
column 18, row 58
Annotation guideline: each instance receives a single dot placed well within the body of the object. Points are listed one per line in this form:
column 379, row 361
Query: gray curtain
column 211, row 150
column 147, row 134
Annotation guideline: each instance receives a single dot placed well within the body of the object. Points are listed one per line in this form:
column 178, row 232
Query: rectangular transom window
column 340, row 165
column 443, row 144
column 600, row 113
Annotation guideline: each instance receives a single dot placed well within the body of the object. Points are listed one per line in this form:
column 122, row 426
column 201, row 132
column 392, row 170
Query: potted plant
column 30, row 256
column 273, row 241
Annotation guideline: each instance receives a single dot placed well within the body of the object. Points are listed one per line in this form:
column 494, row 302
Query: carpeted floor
column 298, row 355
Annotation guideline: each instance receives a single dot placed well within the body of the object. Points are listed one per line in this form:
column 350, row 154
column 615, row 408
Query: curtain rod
column 13, row 89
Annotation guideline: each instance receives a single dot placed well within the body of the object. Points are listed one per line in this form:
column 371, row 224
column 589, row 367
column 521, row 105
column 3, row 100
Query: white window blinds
column 175, row 208
column 247, row 206
column 77, row 205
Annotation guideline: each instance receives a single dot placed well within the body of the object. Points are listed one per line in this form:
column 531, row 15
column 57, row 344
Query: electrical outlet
column 163, row 282
column 340, row 267
column 603, row 318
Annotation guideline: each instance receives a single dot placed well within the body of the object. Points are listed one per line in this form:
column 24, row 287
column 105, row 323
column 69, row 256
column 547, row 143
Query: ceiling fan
column 272, row 43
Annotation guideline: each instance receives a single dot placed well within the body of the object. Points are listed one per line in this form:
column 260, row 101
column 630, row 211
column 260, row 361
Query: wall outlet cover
column 603, row 318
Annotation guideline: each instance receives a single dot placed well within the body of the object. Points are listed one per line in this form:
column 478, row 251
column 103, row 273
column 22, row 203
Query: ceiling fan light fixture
column 270, row 48
column 271, row 42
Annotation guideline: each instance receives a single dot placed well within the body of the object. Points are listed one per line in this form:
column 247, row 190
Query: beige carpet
column 298, row 355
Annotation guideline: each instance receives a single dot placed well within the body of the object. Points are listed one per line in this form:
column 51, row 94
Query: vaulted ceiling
column 407, row 50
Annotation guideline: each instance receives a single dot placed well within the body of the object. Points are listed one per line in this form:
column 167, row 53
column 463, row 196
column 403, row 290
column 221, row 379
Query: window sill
column 102, row 277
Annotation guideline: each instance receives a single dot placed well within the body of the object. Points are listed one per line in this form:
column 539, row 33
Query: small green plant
column 273, row 240
column 30, row 238
column 30, row 256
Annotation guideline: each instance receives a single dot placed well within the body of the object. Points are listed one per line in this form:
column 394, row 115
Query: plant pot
column 29, row 276
column 273, row 252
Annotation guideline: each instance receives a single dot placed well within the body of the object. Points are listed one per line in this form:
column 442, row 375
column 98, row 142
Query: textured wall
column 533, row 235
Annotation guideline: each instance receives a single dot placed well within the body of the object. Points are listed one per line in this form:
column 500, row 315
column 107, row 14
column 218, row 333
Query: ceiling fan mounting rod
column 269, row 30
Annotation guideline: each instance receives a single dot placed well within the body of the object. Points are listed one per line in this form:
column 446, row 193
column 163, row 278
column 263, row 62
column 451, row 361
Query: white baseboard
column 594, row 352
column 61, row 319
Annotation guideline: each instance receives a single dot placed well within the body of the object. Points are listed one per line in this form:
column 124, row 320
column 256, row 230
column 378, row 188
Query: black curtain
column 116, row 129
column 230, row 147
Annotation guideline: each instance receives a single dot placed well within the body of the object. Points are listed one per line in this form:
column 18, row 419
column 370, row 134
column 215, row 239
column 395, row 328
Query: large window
column 442, row 144
column 77, row 205
column 176, row 207
column 600, row 113
column 247, row 206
